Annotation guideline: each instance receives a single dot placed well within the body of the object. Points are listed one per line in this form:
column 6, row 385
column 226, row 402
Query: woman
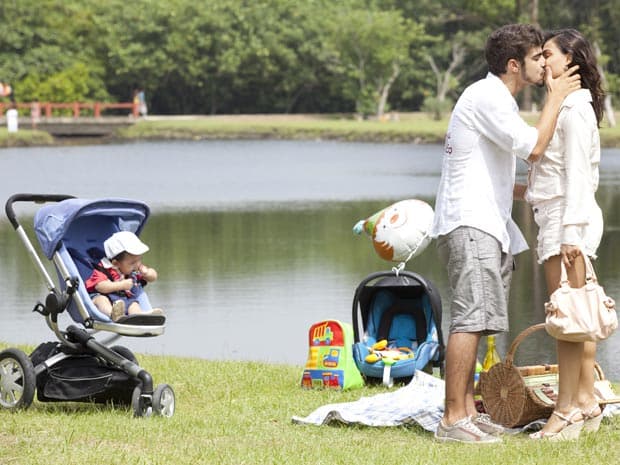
column 561, row 188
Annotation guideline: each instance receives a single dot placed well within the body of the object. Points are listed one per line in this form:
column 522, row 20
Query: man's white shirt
column 485, row 135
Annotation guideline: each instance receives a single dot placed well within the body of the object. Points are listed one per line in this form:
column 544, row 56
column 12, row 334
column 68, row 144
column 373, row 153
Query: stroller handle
column 35, row 198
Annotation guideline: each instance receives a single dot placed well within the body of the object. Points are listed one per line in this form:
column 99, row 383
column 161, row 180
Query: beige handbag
column 580, row 314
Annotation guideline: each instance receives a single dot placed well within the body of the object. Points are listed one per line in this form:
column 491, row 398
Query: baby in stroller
column 117, row 280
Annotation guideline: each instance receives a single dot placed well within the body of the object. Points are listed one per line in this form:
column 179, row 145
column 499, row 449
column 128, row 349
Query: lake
column 253, row 240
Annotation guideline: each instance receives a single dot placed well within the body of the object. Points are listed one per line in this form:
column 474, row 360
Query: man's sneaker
column 484, row 424
column 464, row 431
column 118, row 310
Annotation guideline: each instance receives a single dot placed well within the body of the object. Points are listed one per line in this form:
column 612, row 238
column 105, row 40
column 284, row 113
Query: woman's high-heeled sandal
column 592, row 422
column 569, row 431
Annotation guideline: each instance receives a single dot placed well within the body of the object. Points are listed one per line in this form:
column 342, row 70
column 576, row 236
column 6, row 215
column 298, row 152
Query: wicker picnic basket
column 515, row 396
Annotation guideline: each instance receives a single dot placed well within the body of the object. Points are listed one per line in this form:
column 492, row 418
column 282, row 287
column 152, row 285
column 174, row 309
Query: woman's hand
column 569, row 253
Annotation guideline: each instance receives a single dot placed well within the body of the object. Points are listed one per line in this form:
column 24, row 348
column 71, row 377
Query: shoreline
column 410, row 128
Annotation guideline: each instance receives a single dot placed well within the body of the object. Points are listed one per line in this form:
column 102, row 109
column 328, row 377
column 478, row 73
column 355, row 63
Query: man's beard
column 539, row 83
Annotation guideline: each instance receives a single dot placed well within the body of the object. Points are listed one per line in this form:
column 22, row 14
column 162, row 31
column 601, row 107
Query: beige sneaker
column 464, row 431
column 118, row 310
column 485, row 424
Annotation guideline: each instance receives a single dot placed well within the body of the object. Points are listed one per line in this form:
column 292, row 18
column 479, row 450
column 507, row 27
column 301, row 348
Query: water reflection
column 246, row 274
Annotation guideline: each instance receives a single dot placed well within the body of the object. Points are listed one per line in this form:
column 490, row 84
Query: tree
column 235, row 56
column 446, row 80
column 46, row 45
column 373, row 46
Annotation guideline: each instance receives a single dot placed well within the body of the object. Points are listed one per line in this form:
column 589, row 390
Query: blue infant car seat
column 397, row 326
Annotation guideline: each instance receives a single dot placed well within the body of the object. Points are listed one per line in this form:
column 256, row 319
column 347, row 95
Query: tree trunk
column 443, row 78
column 527, row 92
column 385, row 90
column 534, row 13
column 609, row 110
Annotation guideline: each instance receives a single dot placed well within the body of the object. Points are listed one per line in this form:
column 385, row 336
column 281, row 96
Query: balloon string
column 401, row 266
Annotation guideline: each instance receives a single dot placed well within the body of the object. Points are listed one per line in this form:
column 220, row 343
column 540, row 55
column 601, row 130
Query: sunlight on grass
column 240, row 413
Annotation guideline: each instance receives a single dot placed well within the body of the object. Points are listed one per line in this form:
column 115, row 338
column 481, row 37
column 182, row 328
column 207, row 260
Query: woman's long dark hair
column 570, row 41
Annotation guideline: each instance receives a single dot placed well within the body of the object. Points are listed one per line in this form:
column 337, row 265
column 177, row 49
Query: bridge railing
column 45, row 109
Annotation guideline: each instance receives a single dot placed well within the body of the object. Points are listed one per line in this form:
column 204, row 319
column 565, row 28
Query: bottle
column 477, row 395
column 491, row 357
column 477, row 373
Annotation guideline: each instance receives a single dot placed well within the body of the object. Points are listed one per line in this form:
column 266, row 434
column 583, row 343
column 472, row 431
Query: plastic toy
column 330, row 362
column 381, row 351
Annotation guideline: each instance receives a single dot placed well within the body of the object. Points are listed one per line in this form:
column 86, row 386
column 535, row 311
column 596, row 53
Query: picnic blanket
column 421, row 401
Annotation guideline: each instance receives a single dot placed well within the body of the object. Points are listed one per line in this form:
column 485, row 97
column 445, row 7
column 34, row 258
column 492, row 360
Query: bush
column 78, row 83
column 436, row 108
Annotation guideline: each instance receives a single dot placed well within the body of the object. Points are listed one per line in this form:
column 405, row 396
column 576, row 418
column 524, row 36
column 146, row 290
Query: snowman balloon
column 400, row 231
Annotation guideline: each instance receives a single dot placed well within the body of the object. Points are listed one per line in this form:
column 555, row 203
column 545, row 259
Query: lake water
column 253, row 240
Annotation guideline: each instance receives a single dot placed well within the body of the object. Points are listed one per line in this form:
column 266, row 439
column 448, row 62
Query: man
column 476, row 237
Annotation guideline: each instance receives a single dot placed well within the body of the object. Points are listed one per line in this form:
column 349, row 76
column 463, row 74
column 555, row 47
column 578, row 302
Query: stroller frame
column 18, row 374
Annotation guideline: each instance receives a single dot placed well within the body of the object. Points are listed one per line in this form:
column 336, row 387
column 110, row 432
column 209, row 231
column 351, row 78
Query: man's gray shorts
column 479, row 276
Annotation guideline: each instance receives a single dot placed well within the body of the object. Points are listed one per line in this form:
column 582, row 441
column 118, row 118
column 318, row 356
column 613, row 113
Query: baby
column 117, row 280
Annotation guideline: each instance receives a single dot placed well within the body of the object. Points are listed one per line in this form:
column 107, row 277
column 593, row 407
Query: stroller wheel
column 141, row 407
column 125, row 352
column 17, row 380
column 163, row 401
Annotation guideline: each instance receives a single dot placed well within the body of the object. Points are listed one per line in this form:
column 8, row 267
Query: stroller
column 80, row 367
column 397, row 327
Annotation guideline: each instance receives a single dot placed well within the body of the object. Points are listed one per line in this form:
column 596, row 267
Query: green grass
column 415, row 127
column 240, row 413
column 24, row 138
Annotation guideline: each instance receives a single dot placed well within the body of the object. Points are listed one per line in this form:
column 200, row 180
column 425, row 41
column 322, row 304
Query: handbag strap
column 590, row 274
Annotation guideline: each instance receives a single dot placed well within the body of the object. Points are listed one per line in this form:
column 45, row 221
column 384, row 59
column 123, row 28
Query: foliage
column 436, row 108
column 78, row 82
column 269, row 56
column 372, row 47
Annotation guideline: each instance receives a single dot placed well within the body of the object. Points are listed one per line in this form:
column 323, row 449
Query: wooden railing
column 45, row 109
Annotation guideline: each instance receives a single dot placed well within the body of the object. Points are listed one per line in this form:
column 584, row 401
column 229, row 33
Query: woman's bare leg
column 586, row 400
column 570, row 354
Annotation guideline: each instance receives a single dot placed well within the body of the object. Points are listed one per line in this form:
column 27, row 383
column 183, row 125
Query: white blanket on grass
column 421, row 401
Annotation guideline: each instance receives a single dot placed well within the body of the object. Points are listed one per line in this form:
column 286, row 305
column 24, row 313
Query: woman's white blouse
column 569, row 168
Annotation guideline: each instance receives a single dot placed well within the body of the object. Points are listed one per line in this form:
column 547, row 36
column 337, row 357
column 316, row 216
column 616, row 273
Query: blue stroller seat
column 71, row 233
column 397, row 326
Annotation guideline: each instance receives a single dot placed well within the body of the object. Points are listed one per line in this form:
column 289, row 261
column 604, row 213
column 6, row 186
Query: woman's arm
column 518, row 192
